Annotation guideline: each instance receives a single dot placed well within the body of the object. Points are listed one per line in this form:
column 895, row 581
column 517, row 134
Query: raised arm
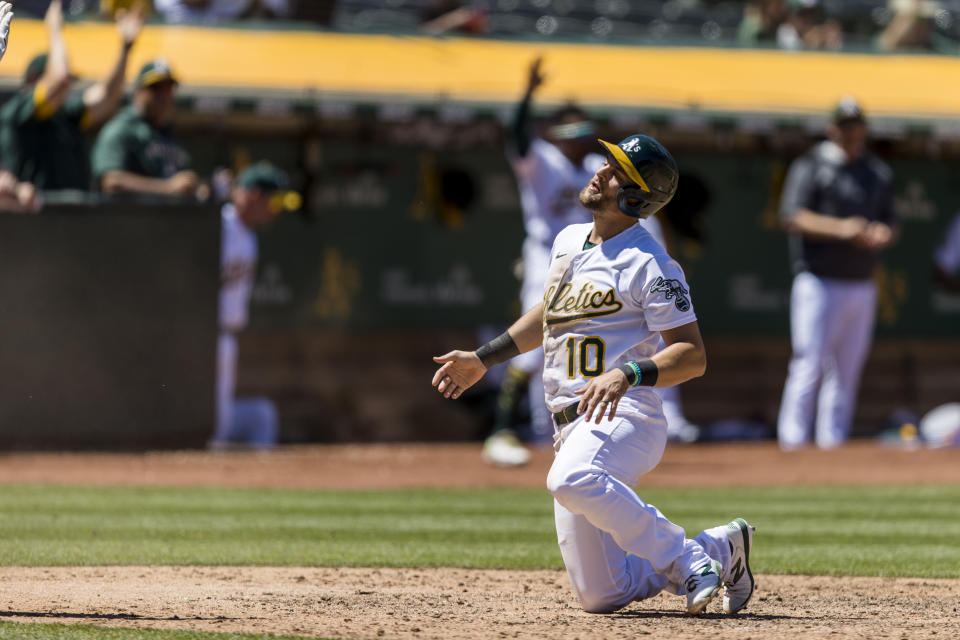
column 520, row 136
column 462, row 369
column 103, row 97
column 54, row 85
column 182, row 184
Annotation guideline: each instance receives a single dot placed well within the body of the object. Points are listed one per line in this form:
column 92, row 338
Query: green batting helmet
column 651, row 169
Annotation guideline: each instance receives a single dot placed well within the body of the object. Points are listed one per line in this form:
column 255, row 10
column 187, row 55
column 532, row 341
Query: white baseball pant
column 831, row 327
column 600, row 520
column 248, row 421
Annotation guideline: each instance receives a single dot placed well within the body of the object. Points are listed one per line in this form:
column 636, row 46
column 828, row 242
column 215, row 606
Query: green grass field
column 866, row 531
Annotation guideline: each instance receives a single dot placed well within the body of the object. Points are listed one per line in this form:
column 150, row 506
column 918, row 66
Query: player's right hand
column 460, row 371
column 182, row 183
column 876, row 236
column 852, row 228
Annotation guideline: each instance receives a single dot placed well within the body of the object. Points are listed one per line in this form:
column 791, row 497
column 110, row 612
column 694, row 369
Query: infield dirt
column 458, row 603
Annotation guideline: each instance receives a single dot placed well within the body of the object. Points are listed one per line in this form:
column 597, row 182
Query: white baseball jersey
column 653, row 226
column 238, row 264
column 249, row 421
column 549, row 188
column 947, row 255
column 606, row 305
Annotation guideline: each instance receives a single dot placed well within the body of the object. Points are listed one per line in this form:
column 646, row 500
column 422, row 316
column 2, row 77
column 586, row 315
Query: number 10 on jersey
column 588, row 353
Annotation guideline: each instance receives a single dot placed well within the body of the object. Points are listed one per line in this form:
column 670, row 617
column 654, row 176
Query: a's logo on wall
column 339, row 283
column 914, row 203
column 892, row 292
column 271, row 287
column 672, row 290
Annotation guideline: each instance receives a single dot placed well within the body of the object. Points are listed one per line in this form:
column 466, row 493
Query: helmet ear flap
column 632, row 202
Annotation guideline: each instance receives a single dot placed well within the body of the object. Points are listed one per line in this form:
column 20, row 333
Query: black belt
column 567, row 414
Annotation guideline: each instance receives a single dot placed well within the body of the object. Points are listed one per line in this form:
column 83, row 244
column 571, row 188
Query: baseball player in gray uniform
column 838, row 208
column 15, row 196
column 611, row 293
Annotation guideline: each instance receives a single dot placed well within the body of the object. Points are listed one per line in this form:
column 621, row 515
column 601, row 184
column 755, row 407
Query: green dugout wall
column 403, row 238
column 108, row 312
column 108, row 326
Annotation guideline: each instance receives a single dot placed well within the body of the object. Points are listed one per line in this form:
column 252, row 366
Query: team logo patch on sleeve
column 672, row 290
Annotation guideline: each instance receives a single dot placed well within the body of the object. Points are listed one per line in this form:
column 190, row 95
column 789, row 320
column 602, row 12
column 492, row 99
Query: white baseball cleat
column 702, row 587
column 739, row 585
column 503, row 449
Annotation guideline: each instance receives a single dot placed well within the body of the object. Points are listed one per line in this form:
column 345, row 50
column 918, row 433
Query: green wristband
column 649, row 372
column 634, row 372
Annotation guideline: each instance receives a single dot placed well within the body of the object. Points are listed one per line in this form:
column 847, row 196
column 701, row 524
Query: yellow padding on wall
column 474, row 69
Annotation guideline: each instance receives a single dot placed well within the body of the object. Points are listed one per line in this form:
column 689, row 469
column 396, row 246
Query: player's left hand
column 602, row 395
column 6, row 15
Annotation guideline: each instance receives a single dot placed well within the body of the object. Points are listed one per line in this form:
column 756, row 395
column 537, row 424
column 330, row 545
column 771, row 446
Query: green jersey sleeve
column 110, row 150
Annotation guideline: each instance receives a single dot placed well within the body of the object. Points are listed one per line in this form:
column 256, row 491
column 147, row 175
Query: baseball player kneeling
column 611, row 293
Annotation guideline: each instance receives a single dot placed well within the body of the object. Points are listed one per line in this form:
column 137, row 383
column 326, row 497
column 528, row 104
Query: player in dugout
column 42, row 126
column 136, row 152
column 15, row 196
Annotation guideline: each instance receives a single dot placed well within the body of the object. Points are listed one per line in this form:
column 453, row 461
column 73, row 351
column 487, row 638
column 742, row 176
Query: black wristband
column 498, row 350
column 648, row 373
column 630, row 372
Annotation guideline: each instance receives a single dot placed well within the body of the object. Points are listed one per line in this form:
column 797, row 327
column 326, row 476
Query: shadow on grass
column 99, row 616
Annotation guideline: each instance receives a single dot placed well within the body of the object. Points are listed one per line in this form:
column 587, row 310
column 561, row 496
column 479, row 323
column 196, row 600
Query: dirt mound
column 459, row 604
